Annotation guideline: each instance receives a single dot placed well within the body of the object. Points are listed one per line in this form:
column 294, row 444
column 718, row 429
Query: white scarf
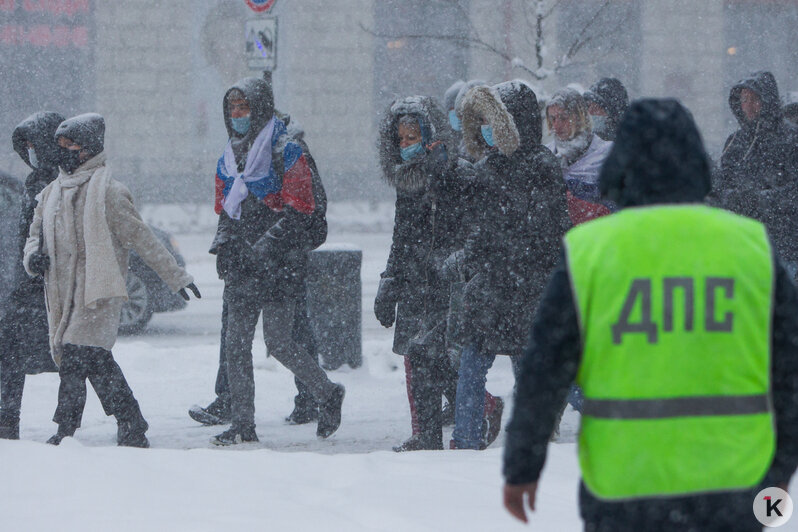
column 258, row 165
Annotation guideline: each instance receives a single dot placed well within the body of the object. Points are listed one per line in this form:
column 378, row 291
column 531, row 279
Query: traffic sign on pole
column 261, row 6
column 261, row 43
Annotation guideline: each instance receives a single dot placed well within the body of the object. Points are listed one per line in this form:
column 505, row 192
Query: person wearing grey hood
column 266, row 200
column 24, row 347
column 607, row 101
column 83, row 227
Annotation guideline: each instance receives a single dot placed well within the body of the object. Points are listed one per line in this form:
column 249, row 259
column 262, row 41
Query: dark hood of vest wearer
column 610, row 95
column 436, row 134
column 658, row 157
column 86, row 130
column 38, row 129
column 764, row 85
column 258, row 94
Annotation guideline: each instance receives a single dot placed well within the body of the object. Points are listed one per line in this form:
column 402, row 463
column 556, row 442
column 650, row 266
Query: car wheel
column 137, row 311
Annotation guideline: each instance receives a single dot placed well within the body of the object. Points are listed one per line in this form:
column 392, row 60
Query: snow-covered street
column 290, row 480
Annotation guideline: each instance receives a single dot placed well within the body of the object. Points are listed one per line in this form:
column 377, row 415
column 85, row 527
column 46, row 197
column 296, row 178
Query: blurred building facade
column 157, row 69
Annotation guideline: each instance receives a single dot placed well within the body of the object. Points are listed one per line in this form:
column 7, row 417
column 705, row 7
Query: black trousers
column 80, row 362
column 302, row 334
column 12, row 383
column 429, row 373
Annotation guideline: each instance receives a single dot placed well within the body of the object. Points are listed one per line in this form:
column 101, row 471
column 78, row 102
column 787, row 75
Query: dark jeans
column 80, row 362
column 278, row 319
column 302, row 334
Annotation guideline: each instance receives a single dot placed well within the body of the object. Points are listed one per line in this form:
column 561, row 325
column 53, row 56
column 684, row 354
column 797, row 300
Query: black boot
column 63, row 432
column 305, row 410
column 420, row 443
column 330, row 413
column 235, row 435
column 130, row 431
column 216, row 413
column 9, row 426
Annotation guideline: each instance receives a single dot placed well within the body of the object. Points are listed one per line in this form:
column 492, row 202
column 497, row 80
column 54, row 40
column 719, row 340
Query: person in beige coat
column 83, row 227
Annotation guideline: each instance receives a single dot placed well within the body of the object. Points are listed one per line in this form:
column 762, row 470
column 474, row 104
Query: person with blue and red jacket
column 266, row 202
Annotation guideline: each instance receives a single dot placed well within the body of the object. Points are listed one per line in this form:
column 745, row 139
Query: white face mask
column 34, row 161
column 600, row 123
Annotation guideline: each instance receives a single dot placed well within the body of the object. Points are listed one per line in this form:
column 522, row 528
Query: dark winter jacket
column 431, row 204
column 658, row 157
column 610, row 95
column 23, row 331
column 264, row 253
column 522, row 215
column 759, row 166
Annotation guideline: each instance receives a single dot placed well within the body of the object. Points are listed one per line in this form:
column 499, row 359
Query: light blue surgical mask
column 240, row 125
column 34, row 161
column 487, row 134
column 600, row 123
column 454, row 121
column 411, row 151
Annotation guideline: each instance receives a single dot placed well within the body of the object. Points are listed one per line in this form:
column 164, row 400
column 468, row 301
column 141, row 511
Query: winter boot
column 330, row 413
column 493, row 420
column 305, row 410
column 9, row 426
column 419, row 443
column 216, row 413
column 130, row 431
column 236, row 435
column 62, row 433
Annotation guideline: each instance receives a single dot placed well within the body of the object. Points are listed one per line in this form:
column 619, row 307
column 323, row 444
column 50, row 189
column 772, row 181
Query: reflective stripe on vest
column 675, row 309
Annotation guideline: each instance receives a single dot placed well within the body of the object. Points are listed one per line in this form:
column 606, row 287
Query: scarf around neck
column 258, row 176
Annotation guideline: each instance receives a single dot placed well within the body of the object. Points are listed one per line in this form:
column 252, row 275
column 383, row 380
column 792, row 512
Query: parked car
column 147, row 293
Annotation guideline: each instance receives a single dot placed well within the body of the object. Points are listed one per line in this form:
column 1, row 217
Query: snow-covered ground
column 290, row 480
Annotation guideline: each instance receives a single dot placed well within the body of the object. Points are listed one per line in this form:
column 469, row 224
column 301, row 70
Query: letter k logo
column 772, row 506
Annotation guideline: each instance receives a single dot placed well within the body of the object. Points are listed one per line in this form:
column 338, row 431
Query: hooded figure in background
column 418, row 158
column 759, row 166
column 270, row 213
column 651, row 468
column 24, row 347
column 512, row 245
column 607, row 101
column 581, row 153
column 84, row 225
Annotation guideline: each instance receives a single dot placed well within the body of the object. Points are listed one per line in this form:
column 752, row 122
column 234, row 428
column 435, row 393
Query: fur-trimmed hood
column 511, row 109
column 440, row 153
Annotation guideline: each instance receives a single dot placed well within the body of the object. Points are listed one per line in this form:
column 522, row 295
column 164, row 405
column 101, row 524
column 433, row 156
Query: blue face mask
column 411, row 151
column 487, row 134
column 34, row 161
column 454, row 121
column 240, row 125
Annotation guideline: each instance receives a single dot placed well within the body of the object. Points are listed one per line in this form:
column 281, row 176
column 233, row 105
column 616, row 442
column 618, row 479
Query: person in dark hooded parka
column 266, row 203
column 759, row 165
column 24, row 347
column 659, row 449
column 607, row 101
column 512, row 245
column 418, row 157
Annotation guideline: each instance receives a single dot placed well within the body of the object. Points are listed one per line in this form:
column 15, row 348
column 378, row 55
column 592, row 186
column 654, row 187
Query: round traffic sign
column 260, row 6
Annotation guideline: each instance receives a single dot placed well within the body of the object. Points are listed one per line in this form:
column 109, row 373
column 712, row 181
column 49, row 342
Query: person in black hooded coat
column 268, row 219
column 759, row 166
column 607, row 102
column 24, row 344
column 512, row 245
column 658, row 158
column 431, row 204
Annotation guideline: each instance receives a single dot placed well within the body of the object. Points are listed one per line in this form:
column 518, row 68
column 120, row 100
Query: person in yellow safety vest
column 680, row 323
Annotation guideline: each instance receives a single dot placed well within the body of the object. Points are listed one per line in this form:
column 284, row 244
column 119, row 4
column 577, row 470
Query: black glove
column 39, row 263
column 385, row 302
column 193, row 288
column 453, row 267
column 227, row 255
